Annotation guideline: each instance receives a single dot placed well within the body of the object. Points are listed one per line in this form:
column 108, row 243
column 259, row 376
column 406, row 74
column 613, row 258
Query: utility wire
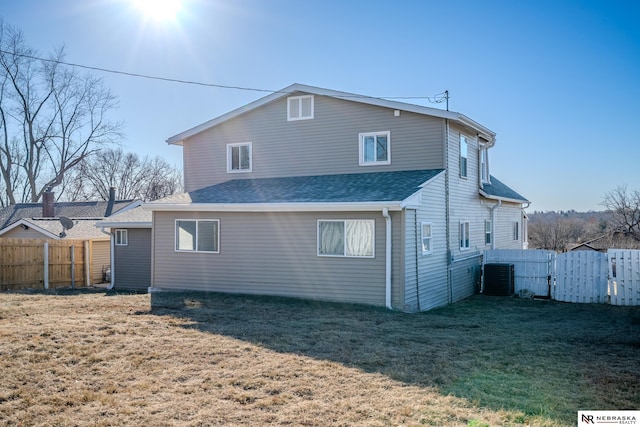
column 435, row 99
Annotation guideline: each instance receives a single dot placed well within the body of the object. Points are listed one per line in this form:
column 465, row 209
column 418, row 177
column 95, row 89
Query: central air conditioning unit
column 499, row 279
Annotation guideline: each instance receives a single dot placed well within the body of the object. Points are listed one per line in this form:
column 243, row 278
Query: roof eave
column 504, row 199
column 482, row 131
column 129, row 224
column 30, row 225
column 275, row 207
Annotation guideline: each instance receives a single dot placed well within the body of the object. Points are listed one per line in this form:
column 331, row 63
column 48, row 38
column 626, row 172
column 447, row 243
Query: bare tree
column 624, row 205
column 51, row 116
column 132, row 176
column 555, row 232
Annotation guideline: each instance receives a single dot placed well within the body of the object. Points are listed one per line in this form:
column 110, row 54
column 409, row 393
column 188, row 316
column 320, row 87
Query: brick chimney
column 112, row 199
column 48, row 206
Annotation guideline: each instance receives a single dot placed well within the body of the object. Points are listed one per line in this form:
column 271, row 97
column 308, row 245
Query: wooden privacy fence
column 43, row 264
column 580, row 276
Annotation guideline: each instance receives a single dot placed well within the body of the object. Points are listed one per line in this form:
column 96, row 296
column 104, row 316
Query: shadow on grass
column 541, row 358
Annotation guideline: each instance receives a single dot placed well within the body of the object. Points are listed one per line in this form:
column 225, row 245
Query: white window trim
column 195, row 250
column 123, row 233
column 229, row 156
column 373, row 247
column 463, row 233
column 361, row 137
column 430, row 237
column 485, row 176
column 300, row 116
column 463, row 138
column 489, row 232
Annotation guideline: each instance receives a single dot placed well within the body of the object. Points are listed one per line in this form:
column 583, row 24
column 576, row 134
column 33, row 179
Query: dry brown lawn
column 89, row 358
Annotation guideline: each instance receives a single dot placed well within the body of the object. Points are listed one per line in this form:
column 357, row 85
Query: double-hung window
column 202, row 235
column 300, row 107
column 346, row 238
column 122, row 237
column 484, row 166
column 426, row 238
column 463, row 156
column 375, row 148
column 487, row 232
column 239, row 157
column 464, row 235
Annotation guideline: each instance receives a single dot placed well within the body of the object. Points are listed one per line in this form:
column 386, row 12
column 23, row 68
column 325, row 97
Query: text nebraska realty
column 609, row 419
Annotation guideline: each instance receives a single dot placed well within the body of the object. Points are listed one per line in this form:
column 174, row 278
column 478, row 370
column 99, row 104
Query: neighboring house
column 130, row 248
column 42, row 221
column 321, row 194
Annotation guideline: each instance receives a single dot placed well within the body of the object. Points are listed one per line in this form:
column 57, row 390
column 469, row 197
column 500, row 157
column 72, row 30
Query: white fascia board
column 30, row 225
column 274, row 207
column 123, row 224
column 504, row 199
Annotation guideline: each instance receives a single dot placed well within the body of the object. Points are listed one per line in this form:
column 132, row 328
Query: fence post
column 46, row 265
column 87, row 265
column 73, row 268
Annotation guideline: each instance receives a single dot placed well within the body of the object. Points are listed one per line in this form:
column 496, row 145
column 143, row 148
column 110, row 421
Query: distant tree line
column 618, row 226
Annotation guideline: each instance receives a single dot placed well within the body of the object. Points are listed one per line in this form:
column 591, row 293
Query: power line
column 435, row 99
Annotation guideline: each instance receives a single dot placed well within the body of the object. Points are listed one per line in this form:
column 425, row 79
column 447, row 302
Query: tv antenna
column 67, row 224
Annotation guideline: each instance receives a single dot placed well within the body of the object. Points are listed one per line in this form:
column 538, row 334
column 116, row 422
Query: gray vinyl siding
column 272, row 254
column 426, row 275
column 100, row 259
column 132, row 269
column 506, row 215
column 326, row 144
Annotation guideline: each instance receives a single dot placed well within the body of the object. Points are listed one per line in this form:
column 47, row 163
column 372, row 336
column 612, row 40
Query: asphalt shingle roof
column 498, row 189
column 73, row 210
column 360, row 187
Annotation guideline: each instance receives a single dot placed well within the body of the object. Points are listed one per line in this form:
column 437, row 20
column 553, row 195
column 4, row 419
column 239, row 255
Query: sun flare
column 159, row 10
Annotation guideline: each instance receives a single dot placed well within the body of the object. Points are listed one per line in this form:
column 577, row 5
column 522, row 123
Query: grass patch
column 96, row 359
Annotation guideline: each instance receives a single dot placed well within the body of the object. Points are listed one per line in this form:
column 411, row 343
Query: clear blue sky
column 558, row 81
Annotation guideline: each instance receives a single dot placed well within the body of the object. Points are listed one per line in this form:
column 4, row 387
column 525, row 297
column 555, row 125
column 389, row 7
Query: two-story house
column 321, row 194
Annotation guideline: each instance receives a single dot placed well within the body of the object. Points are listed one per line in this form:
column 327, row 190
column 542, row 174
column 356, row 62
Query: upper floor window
column 463, row 156
column 484, row 165
column 239, row 157
column 300, row 107
column 198, row 235
column 122, row 238
column 375, row 148
column 464, row 235
column 346, row 238
column 426, row 238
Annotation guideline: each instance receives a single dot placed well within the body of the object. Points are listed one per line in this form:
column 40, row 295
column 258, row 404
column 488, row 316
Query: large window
column 464, row 235
column 375, row 148
column 122, row 238
column 300, row 107
column 198, row 235
column 426, row 238
column 347, row 238
column 463, row 156
column 239, row 157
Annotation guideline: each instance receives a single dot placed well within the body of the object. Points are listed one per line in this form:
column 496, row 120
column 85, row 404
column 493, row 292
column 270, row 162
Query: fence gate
column 581, row 276
column 624, row 273
column 533, row 268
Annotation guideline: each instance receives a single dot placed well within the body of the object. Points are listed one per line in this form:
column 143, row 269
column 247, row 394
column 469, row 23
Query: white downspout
column 387, row 217
column 493, row 223
column 112, row 250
